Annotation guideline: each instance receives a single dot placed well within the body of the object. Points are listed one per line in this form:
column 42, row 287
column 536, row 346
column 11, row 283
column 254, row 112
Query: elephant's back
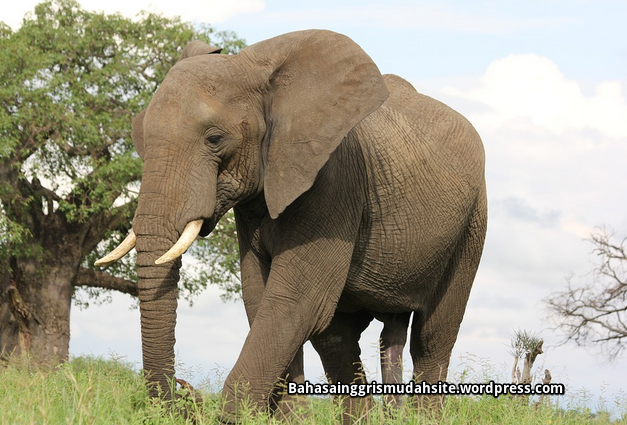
column 434, row 127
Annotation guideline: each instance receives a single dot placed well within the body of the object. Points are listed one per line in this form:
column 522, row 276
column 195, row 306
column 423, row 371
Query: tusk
column 122, row 249
column 186, row 240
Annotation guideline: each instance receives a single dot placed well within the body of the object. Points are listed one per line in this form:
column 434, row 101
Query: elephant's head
column 223, row 129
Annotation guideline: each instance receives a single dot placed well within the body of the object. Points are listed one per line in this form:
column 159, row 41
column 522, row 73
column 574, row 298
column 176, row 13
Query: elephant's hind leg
column 338, row 347
column 434, row 332
column 393, row 339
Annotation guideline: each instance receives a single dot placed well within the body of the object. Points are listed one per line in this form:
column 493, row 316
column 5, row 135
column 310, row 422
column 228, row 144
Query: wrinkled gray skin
column 355, row 197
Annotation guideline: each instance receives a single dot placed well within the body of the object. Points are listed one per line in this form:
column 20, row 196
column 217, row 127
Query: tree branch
column 100, row 223
column 97, row 279
column 595, row 313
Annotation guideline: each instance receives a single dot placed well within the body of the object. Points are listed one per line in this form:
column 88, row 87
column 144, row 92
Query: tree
column 527, row 346
column 70, row 83
column 596, row 313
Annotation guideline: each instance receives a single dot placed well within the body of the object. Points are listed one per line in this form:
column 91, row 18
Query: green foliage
column 96, row 391
column 524, row 342
column 13, row 234
column 70, row 83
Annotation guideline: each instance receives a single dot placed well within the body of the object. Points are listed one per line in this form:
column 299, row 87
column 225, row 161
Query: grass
column 96, row 391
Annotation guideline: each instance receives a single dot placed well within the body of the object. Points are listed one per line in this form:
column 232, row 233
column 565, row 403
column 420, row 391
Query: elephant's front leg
column 290, row 406
column 254, row 274
column 303, row 287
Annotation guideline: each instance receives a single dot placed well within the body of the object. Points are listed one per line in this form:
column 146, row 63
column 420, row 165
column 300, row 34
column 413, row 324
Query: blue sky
column 544, row 83
column 436, row 39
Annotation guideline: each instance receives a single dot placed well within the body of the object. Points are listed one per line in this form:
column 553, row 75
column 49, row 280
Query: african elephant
column 355, row 197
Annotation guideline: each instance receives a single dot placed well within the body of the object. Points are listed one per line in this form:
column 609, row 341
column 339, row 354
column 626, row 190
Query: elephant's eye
column 213, row 139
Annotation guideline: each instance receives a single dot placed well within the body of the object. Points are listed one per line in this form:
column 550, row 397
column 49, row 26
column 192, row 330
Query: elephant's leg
column 311, row 245
column 288, row 405
column 433, row 333
column 254, row 273
column 299, row 300
column 393, row 339
column 338, row 347
column 295, row 372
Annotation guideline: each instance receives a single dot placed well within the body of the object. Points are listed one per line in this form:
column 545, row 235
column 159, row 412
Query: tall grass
column 96, row 391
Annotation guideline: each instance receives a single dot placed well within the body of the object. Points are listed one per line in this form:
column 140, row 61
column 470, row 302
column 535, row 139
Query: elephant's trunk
column 167, row 220
column 158, row 290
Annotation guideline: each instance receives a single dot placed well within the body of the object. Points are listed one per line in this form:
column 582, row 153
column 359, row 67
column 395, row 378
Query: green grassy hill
column 95, row 391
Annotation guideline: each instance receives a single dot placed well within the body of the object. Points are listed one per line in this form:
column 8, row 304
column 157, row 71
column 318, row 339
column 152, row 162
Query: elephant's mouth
column 207, row 226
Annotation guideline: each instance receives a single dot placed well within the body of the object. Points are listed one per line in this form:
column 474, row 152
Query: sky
column 543, row 82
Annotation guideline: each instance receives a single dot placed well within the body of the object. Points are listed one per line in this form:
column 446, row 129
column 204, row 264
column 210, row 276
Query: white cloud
column 530, row 89
column 581, row 230
column 209, row 11
column 423, row 17
column 555, row 170
column 548, row 143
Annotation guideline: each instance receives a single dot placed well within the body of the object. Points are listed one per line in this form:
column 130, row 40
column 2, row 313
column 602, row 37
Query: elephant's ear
column 137, row 132
column 320, row 85
column 197, row 47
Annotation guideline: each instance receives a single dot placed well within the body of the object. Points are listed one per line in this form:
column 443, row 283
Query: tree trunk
column 35, row 312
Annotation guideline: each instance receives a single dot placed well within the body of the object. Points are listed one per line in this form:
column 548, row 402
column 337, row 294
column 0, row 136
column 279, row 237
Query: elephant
column 355, row 198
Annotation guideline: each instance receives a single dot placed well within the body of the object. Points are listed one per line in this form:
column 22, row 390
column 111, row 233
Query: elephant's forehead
column 213, row 73
column 188, row 101
column 181, row 86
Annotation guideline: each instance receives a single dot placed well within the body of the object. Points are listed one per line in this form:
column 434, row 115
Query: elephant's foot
column 392, row 404
column 238, row 403
column 394, row 401
column 356, row 409
column 428, row 405
column 189, row 401
column 292, row 409
column 392, row 408
column 190, row 393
